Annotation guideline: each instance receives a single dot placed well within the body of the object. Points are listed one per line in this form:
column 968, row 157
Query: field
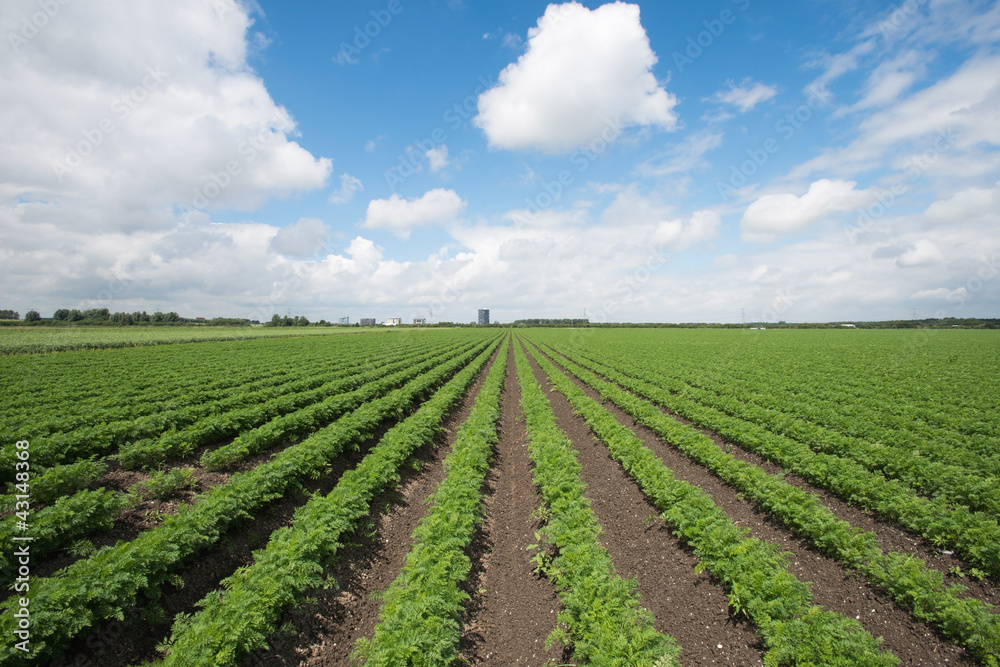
column 526, row 497
column 21, row 339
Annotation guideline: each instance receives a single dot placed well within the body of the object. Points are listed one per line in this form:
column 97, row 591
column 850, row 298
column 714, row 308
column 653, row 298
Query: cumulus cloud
column 348, row 186
column 586, row 74
column 746, row 95
column 146, row 107
column 401, row 216
column 647, row 217
column 301, row 239
column 923, row 253
column 437, row 157
column 772, row 215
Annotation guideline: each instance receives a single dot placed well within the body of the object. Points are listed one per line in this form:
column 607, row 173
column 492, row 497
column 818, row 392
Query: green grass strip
column 601, row 611
column 755, row 574
column 969, row 622
column 418, row 623
column 235, row 620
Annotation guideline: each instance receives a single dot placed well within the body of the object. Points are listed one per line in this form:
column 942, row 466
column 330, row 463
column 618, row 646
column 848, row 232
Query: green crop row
column 104, row 438
column 236, row 619
column 418, row 623
column 910, row 462
column 754, row 572
column 921, row 590
column 314, row 416
column 601, row 611
column 216, row 427
column 973, row 535
column 104, row 585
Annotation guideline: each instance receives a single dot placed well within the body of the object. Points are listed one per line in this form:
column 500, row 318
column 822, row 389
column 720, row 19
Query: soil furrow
column 512, row 610
column 837, row 589
column 323, row 632
column 690, row 607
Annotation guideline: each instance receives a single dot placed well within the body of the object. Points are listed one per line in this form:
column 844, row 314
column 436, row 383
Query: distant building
column 345, row 321
column 367, row 321
column 850, row 326
column 484, row 316
column 419, row 321
column 394, row 321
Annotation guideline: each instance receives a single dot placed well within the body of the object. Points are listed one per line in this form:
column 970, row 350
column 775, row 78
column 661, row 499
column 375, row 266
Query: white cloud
column 401, row 216
column 746, row 95
column 647, row 217
column 939, row 294
column 684, row 156
column 954, row 117
column 348, row 186
column 891, row 79
column 967, row 204
column 150, row 107
column 923, row 253
column 585, row 75
column 437, row 157
column 775, row 214
column 302, row 239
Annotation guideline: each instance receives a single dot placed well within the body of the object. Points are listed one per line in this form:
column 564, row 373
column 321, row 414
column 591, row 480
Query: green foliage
column 969, row 622
column 418, row 622
column 754, row 572
column 165, row 483
column 601, row 615
column 101, row 587
column 234, row 622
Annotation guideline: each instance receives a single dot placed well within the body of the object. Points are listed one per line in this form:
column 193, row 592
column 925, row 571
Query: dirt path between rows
column 513, row 610
column 323, row 632
column 835, row 588
column 690, row 607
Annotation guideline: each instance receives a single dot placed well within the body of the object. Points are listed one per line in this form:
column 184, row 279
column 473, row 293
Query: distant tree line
column 286, row 321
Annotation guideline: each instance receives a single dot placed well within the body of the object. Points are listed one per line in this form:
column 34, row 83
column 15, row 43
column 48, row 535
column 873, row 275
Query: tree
column 32, row 316
column 61, row 315
column 9, row 315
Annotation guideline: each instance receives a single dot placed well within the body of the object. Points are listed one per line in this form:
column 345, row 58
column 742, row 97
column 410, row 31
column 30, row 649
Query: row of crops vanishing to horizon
column 480, row 496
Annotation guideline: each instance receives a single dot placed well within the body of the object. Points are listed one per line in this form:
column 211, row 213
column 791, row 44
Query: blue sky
column 814, row 161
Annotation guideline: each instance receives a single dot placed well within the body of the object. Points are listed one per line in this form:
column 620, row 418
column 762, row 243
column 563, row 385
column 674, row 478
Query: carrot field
column 505, row 497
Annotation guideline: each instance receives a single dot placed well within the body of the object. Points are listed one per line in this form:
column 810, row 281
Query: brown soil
column 324, row 631
column 512, row 610
column 835, row 588
column 690, row 607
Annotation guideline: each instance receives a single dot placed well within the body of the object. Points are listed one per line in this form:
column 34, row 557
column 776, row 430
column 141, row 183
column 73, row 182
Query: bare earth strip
column 508, row 623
